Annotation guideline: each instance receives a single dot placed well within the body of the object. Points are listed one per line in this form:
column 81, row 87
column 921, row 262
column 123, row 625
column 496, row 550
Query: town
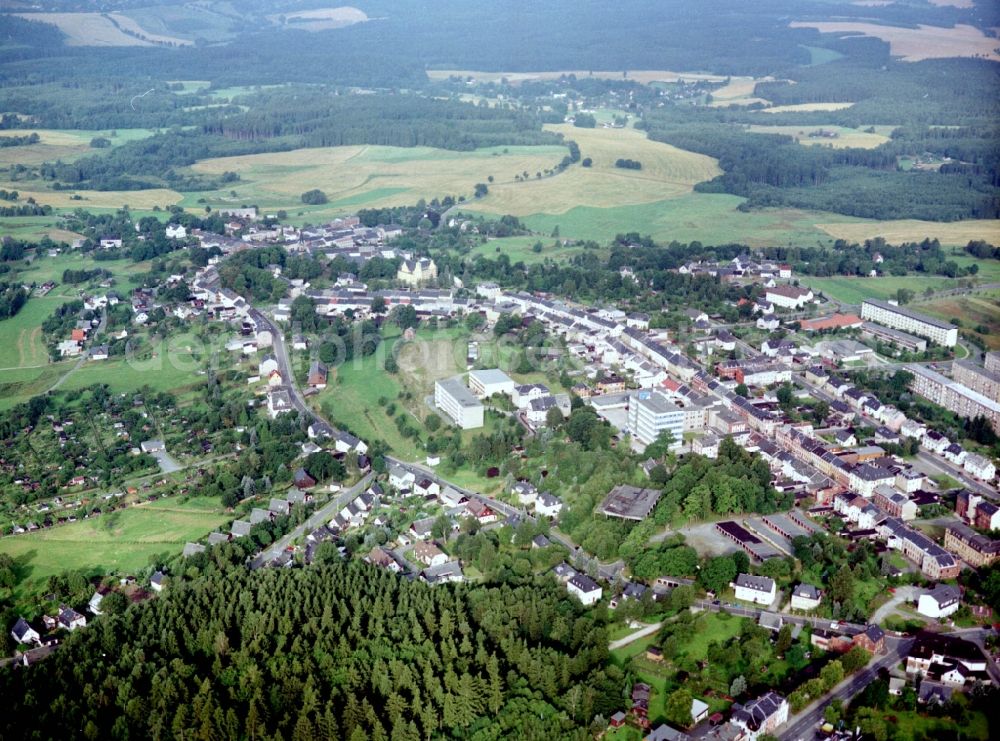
column 794, row 383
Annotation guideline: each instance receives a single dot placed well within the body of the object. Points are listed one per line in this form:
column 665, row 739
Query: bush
column 314, row 197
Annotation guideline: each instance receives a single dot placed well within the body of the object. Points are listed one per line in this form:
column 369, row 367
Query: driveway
column 903, row 594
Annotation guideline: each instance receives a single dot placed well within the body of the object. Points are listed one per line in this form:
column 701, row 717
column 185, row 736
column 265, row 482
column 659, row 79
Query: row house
column 975, row 549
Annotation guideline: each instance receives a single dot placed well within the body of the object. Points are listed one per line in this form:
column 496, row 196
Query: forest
column 332, row 652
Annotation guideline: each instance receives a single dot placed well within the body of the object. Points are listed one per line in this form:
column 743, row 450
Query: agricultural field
column 321, row 19
column 667, row 172
column 64, row 144
column 122, row 541
column 838, row 137
column 912, row 230
column 914, row 44
column 94, row 29
column 93, row 200
column 369, row 176
column 806, row 107
column 738, row 91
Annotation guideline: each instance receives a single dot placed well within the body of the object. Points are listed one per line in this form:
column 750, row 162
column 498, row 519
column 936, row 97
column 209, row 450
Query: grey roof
column 754, row 714
column 758, row 583
column 806, row 590
column 584, row 583
column 240, row 528
column 191, row 549
column 945, row 595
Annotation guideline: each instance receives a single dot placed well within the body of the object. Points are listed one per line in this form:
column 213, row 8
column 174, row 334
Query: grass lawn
column 120, row 541
column 21, row 335
column 711, row 628
column 173, row 369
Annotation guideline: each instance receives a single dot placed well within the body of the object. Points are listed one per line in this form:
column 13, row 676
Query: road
column 284, row 364
column 755, row 612
column 803, row 725
column 84, row 354
column 902, row 595
column 606, row 571
column 632, row 637
column 319, row 517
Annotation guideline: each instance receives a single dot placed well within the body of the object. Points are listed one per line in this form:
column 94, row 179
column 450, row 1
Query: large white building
column 913, row 322
column 953, row 396
column 650, row 413
column 759, row 589
column 454, row 399
column 485, row 383
column 940, row 602
column 789, row 297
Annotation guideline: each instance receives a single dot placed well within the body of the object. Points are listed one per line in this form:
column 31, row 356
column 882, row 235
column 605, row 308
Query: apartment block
column 977, row 378
column 891, row 315
column 650, row 413
column 953, row 396
column 454, row 399
column 975, row 549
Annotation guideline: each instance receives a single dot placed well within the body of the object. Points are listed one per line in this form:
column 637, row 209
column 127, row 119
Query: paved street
column 319, row 517
column 803, row 726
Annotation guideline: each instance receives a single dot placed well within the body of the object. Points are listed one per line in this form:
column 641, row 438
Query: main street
column 803, row 725
column 317, row 518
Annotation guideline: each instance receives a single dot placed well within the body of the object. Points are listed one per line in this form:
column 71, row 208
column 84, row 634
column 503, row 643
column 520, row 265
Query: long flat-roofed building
column 897, row 317
column 977, row 378
column 454, row 399
column 485, row 383
column 896, row 337
column 953, row 396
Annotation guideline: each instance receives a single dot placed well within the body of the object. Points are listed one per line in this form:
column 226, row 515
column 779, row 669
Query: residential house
column 872, row 639
column 429, row 554
column 761, row 716
column 70, row 619
column 759, row 589
column 157, row 581
column 548, row 505
column 584, row 589
column 806, row 597
column 22, row 632
column 940, row 602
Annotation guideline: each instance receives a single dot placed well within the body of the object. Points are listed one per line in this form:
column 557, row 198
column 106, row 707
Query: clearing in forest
column 838, row 137
column 806, row 107
column 321, row 19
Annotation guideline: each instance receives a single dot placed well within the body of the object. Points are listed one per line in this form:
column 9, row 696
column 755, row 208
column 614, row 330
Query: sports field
column 368, row 176
column 122, row 541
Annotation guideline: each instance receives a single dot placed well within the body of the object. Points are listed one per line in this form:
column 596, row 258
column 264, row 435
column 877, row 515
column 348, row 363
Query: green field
column 63, row 144
column 854, row 290
column 122, row 541
column 521, row 249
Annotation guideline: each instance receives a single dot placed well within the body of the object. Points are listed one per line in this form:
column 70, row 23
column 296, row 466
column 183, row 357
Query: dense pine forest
column 331, row 652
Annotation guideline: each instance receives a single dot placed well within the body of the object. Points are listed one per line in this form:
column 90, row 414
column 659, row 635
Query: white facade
column 938, row 606
column 650, row 413
column 897, row 317
column 759, row 589
column 485, row 383
column 454, row 399
column 584, row 589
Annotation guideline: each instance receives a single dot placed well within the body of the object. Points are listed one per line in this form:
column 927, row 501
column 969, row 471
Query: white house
column 805, row 597
column 22, row 632
column 525, row 492
column 429, row 554
column 759, row 589
column 70, row 619
column 979, row 467
column 525, row 393
column 789, row 297
column 176, row 231
column 548, row 505
column 268, row 365
column 584, row 589
column 699, row 710
column 401, row 478
column 940, row 602
column 761, row 716
column 486, row 383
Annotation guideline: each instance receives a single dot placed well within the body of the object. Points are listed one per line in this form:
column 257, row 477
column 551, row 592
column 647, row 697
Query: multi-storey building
column 975, row 549
column 953, row 396
column 977, row 378
column 992, row 361
column 913, row 322
column 650, row 413
column 454, row 399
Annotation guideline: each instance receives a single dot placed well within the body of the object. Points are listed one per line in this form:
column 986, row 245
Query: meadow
column 975, row 311
column 124, row 541
column 64, row 144
column 854, row 290
column 911, row 230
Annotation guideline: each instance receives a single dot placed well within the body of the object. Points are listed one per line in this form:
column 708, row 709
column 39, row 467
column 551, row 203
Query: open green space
column 120, row 541
column 854, row 290
column 522, row 249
